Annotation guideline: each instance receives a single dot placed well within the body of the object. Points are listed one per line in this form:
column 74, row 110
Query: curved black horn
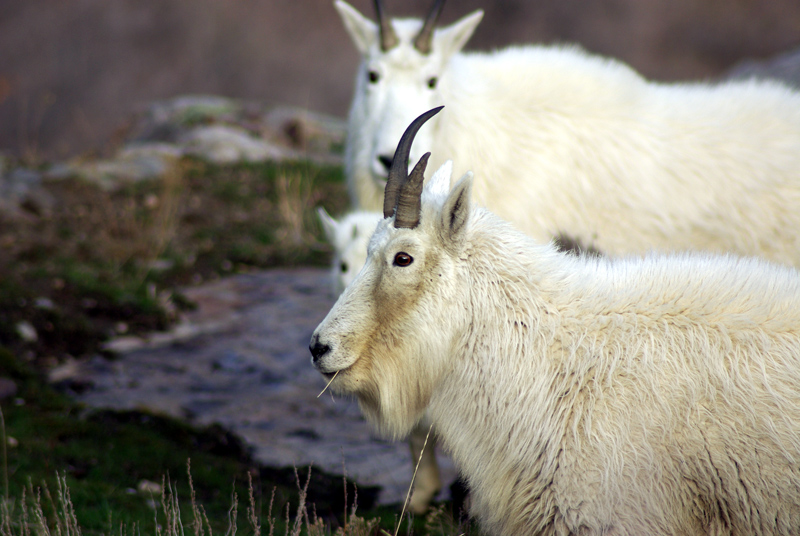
column 423, row 40
column 398, row 173
column 388, row 37
column 409, row 202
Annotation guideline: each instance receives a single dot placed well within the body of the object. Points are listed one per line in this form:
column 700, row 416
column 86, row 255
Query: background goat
column 567, row 143
column 578, row 395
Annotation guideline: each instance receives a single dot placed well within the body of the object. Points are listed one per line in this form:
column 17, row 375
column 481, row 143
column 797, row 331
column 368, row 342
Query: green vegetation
column 102, row 261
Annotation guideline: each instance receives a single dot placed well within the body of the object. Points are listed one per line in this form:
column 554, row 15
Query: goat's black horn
column 388, row 37
column 409, row 201
column 423, row 40
column 398, row 173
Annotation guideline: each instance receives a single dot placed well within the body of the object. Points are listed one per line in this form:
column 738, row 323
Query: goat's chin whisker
column 329, row 383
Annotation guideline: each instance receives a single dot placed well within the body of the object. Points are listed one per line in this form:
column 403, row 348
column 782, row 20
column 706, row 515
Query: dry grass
column 38, row 513
column 295, row 195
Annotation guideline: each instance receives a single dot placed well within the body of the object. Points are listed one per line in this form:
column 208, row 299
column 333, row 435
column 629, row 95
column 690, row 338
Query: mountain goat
column 577, row 394
column 349, row 238
column 567, row 143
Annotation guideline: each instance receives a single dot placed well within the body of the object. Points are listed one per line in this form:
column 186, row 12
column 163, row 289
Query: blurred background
column 71, row 72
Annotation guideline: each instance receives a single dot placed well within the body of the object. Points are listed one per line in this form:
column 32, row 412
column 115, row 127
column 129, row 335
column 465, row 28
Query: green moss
column 104, row 455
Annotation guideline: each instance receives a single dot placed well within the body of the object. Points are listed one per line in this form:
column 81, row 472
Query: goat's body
column 567, row 143
column 630, row 397
column 599, row 154
column 579, row 395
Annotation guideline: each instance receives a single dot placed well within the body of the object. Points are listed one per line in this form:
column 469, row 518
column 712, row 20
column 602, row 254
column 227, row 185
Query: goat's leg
column 427, row 482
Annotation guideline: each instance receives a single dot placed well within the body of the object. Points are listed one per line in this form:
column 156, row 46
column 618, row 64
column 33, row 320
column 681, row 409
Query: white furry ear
column 329, row 224
column 451, row 39
column 437, row 187
column 455, row 214
column 363, row 31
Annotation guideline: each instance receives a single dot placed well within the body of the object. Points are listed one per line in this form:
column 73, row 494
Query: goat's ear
column 455, row 213
column 452, row 39
column 329, row 225
column 363, row 31
column 437, row 187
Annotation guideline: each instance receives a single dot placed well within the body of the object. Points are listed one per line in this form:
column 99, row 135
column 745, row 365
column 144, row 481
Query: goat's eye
column 373, row 76
column 343, row 267
column 432, row 81
column 403, row 259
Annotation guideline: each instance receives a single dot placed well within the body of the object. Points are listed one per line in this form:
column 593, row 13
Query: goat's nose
column 317, row 349
column 386, row 160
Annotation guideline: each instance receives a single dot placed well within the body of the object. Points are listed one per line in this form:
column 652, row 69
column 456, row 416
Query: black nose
column 386, row 160
column 317, row 349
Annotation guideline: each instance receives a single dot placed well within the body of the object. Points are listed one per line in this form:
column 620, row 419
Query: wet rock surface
column 241, row 360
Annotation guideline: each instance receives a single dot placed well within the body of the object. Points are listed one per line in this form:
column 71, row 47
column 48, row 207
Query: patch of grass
column 105, row 456
column 102, row 262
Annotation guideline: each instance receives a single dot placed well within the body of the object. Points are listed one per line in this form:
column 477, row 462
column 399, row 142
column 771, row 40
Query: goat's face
column 388, row 338
column 349, row 238
column 398, row 80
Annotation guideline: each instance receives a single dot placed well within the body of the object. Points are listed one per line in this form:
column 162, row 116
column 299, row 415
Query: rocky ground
column 241, row 360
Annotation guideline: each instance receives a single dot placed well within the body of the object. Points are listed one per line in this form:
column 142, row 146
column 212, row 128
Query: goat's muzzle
column 317, row 349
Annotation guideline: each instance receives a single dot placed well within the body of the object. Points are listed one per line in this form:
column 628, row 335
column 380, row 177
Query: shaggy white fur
column 566, row 143
column 655, row 395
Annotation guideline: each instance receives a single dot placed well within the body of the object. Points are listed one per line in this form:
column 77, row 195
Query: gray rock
column 133, row 163
column 224, row 144
column 26, row 331
column 166, row 121
column 21, row 190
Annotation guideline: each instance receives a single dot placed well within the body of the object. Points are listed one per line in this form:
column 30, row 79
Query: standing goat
column 577, row 395
column 566, row 143
column 349, row 238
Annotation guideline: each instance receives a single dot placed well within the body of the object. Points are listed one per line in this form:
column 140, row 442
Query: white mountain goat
column 349, row 238
column 577, row 395
column 566, row 143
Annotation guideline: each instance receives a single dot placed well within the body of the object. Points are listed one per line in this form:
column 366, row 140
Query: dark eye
column 432, row 82
column 403, row 259
column 343, row 266
column 373, row 76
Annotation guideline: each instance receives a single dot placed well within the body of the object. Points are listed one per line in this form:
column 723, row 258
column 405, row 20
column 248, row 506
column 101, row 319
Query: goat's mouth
column 331, row 374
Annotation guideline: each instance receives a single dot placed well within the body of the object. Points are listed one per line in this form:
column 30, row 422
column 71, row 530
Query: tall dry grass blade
column 301, row 506
column 67, row 508
column 26, row 528
column 413, row 476
column 198, row 513
column 171, row 508
column 38, row 512
column 270, row 519
column 57, row 518
column 255, row 523
column 330, row 382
